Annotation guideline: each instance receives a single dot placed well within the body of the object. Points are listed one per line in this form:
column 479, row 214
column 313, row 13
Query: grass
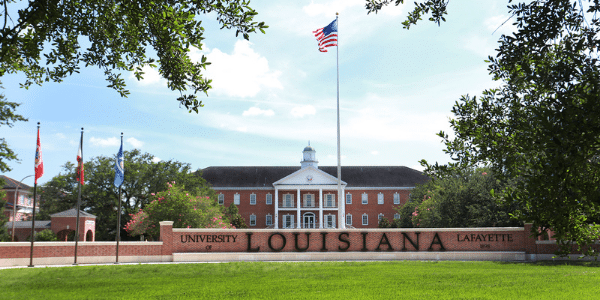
column 305, row 280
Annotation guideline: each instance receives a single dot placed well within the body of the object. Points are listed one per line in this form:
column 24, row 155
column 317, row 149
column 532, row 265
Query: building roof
column 72, row 213
column 27, row 224
column 10, row 183
column 354, row 176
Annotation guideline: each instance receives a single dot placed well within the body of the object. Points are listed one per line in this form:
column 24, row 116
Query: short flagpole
column 119, row 211
column 79, row 166
column 33, row 217
column 341, row 220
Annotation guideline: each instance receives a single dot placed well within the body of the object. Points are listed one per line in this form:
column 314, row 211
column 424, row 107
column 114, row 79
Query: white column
column 276, row 208
column 320, row 207
column 298, row 209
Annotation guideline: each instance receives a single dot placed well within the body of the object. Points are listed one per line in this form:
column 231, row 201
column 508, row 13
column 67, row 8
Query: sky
column 276, row 92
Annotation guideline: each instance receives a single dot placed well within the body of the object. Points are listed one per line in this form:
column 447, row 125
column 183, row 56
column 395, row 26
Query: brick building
column 24, row 200
column 63, row 224
column 306, row 196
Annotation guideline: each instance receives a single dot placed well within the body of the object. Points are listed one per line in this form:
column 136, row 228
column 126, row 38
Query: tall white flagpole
column 341, row 221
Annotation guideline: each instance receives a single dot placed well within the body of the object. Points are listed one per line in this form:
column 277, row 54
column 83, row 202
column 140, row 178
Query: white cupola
column 309, row 158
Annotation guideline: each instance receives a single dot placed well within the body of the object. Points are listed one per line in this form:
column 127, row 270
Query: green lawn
column 305, row 280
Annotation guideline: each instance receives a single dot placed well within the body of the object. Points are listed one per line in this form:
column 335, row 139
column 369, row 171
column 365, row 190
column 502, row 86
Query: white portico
column 307, row 193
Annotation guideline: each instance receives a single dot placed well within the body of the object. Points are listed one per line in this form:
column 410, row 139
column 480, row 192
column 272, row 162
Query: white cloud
column 375, row 152
column 242, row 129
column 482, row 46
column 243, row 73
column 388, row 120
column 329, row 9
column 104, row 142
column 255, row 111
column 134, row 142
column 156, row 159
column 301, row 111
column 60, row 136
column 417, row 167
column 151, row 77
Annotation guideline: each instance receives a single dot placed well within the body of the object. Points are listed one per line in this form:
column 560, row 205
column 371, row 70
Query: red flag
column 39, row 163
column 80, row 171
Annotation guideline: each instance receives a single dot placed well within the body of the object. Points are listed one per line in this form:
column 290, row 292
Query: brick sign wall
column 178, row 244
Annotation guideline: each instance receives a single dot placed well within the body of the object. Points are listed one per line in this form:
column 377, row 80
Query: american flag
column 327, row 36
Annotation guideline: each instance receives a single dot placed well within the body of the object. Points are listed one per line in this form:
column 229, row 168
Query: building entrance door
column 309, row 220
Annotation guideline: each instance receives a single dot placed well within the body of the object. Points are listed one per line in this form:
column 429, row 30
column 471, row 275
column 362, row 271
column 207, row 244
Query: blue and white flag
column 119, row 167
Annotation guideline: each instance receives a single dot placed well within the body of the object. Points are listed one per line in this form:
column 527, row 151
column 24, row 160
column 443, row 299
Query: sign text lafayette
column 492, row 237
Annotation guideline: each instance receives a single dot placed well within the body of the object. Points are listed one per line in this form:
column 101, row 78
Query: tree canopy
column 7, row 118
column 50, row 40
column 541, row 126
column 463, row 199
column 4, row 237
column 99, row 196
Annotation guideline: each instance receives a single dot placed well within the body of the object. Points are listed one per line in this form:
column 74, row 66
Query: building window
column 221, row 199
column 269, row 199
column 252, row 199
column 236, row 199
column 365, row 198
column 288, row 221
column 396, row 198
column 396, row 216
column 269, row 220
column 348, row 198
column 288, row 200
column 309, row 200
column 380, row 198
column 329, row 200
column 329, row 221
column 252, row 220
column 349, row 219
column 379, row 217
column 365, row 219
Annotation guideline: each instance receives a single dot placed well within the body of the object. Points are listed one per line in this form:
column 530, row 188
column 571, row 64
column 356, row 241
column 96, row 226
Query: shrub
column 184, row 208
column 384, row 223
column 45, row 235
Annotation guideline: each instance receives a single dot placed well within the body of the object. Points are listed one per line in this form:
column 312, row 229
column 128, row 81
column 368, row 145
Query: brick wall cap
column 292, row 230
column 166, row 223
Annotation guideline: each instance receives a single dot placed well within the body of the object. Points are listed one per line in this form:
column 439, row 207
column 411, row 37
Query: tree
column 232, row 214
column 7, row 118
column 541, row 127
column 43, row 39
column 459, row 200
column 4, row 237
column 187, row 209
column 99, row 196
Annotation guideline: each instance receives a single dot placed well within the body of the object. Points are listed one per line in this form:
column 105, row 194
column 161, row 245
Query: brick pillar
column 166, row 236
column 529, row 242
